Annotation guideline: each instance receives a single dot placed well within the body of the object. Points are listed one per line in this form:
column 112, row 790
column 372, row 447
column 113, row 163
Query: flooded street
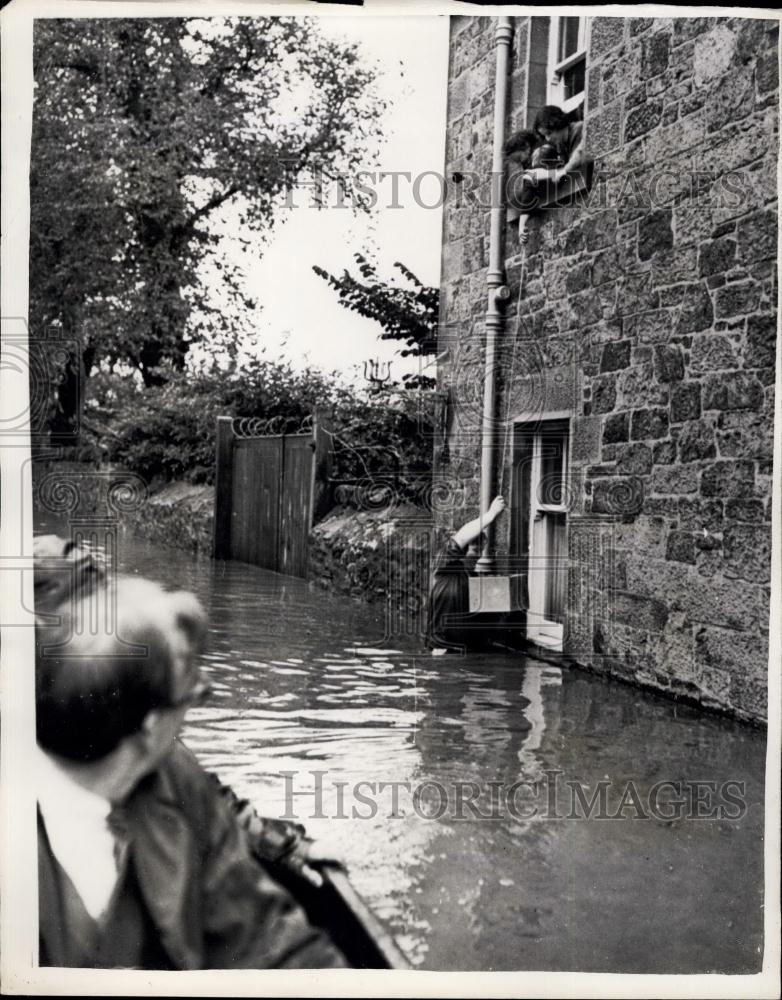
column 307, row 684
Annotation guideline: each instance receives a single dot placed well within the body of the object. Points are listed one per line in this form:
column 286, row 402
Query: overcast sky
column 298, row 308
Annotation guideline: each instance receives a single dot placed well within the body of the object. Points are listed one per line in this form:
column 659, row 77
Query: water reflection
column 308, row 684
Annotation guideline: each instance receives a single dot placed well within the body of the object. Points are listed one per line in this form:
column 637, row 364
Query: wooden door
column 269, row 489
column 255, row 500
column 296, row 504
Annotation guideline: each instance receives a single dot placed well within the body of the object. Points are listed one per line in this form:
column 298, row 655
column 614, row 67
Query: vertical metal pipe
column 495, row 281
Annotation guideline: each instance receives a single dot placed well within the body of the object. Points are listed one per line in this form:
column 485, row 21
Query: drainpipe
column 498, row 293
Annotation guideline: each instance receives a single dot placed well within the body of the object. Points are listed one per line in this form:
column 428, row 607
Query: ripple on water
column 344, row 661
column 369, row 651
column 487, row 719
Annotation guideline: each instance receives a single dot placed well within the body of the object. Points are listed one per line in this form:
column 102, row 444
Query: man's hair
column 551, row 118
column 105, row 660
column 521, row 140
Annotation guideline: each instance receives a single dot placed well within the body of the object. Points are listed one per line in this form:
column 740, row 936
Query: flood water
column 307, row 682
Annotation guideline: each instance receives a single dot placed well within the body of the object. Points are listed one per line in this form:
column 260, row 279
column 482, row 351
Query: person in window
column 562, row 147
column 521, row 195
column 546, row 155
column 142, row 862
column 449, row 620
column 556, row 148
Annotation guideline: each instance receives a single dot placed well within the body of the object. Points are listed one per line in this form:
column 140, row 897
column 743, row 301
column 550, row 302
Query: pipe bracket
column 501, row 296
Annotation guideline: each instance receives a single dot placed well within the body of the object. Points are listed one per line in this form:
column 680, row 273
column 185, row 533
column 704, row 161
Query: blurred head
column 63, row 570
column 520, row 146
column 111, row 659
column 552, row 123
column 546, row 155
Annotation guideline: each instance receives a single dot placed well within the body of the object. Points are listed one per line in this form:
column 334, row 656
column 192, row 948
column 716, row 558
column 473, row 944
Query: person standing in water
column 448, row 617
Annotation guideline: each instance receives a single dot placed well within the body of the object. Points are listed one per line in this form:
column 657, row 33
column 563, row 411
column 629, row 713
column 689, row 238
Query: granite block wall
column 648, row 315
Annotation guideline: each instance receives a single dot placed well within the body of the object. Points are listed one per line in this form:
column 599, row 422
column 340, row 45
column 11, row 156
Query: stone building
column 633, row 430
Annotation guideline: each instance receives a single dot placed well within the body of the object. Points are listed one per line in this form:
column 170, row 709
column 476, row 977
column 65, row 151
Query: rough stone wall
column 648, row 314
column 100, row 500
column 179, row 516
column 379, row 556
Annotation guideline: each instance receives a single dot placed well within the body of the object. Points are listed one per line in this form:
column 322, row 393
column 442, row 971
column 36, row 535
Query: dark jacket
column 212, row 905
column 449, row 599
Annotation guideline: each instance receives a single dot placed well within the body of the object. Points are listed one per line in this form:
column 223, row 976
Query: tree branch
column 214, row 202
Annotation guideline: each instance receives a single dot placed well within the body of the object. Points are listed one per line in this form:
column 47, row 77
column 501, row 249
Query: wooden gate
column 271, row 484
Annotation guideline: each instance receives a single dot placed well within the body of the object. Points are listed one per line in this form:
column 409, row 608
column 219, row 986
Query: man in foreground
column 142, row 863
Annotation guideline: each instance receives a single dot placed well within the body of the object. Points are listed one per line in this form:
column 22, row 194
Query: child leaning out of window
column 556, row 149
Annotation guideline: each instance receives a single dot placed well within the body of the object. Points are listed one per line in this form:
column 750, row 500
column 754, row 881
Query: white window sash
column 572, row 60
column 558, row 67
column 539, row 628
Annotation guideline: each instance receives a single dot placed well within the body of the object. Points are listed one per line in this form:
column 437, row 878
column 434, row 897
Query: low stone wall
column 380, row 556
column 88, row 496
column 178, row 515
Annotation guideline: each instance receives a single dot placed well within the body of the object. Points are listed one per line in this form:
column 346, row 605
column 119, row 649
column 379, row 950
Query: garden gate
column 271, row 484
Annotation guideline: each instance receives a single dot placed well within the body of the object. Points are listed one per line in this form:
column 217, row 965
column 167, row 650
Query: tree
column 145, row 131
column 408, row 314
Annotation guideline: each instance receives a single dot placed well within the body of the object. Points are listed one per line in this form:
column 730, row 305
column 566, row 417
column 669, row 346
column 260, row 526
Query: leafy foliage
column 145, row 131
column 167, row 431
column 408, row 314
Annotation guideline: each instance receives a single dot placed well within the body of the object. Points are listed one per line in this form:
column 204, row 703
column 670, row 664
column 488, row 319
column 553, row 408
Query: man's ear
column 188, row 617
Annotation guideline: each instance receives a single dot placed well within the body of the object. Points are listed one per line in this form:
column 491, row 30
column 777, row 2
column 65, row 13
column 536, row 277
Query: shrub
column 167, row 432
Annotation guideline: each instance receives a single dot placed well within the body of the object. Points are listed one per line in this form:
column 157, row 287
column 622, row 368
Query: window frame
column 553, row 431
column 557, row 67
